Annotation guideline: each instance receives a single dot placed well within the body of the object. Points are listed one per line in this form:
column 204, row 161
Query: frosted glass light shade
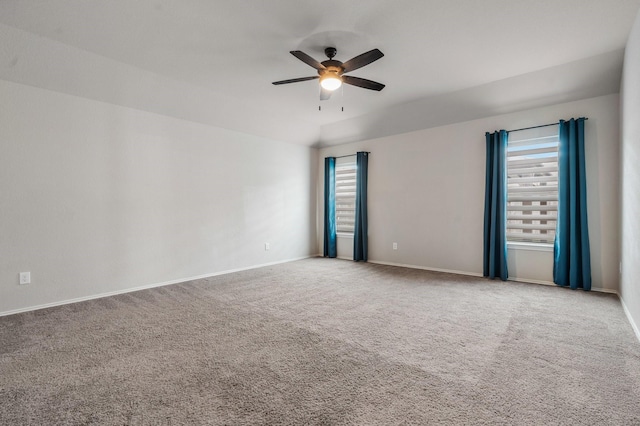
column 330, row 82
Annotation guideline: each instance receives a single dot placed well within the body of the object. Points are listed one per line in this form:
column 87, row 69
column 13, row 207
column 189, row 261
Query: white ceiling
column 214, row 61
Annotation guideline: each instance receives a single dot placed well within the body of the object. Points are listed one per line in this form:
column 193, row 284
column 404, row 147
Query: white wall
column 99, row 198
column 42, row 62
column 586, row 78
column 426, row 192
column 630, row 177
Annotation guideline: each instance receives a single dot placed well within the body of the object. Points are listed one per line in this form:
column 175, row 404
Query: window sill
column 529, row 246
column 344, row 235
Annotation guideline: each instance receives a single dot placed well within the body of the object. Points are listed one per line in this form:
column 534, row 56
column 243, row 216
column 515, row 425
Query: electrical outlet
column 395, row 246
column 25, row 277
column 266, row 246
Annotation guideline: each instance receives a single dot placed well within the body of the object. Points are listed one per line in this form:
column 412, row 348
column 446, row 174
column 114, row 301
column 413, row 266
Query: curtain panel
column 571, row 250
column 495, row 207
column 330, row 244
column 360, row 234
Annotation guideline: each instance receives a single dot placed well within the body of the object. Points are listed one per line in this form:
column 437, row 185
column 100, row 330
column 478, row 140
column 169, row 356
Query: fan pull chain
column 342, row 95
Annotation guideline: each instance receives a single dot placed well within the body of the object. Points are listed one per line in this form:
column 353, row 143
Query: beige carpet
column 324, row 341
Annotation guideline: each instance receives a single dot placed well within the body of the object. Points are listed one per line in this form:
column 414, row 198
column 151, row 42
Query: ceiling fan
column 331, row 71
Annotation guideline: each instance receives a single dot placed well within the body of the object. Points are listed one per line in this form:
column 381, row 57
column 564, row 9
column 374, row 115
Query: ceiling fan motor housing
column 332, row 66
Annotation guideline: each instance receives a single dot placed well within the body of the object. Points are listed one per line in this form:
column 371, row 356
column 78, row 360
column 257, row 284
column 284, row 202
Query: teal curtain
column 495, row 207
column 330, row 245
column 360, row 234
column 572, row 263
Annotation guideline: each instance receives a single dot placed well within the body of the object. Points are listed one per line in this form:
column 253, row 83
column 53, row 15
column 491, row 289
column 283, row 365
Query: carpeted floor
column 324, row 341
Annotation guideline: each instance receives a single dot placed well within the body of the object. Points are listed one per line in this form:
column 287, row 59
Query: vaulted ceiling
column 213, row 61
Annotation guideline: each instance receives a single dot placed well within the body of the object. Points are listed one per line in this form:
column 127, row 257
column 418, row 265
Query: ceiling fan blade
column 295, row 80
column 307, row 59
column 362, row 60
column 361, row 82
column 324, row 94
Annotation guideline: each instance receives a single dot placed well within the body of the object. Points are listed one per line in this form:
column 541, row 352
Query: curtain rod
column 351, row 155
column 536, row 127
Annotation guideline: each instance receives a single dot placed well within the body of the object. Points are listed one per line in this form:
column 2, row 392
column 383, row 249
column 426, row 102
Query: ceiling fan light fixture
column 330, row 72
column 330, row 82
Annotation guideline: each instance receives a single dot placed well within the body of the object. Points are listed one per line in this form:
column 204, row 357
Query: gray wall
column 98, row 198
column 630, row 176
column 426, row 193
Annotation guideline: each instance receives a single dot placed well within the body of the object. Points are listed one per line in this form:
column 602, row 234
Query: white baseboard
column 426, row 268
column 530, row 281
column 549, row 283
column 476, row 274
column 605, row 290
column 144, row 287
column 634, row 326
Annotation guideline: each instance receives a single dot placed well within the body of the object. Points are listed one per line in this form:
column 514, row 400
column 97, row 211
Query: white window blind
column 345, row 194
column 532, row 185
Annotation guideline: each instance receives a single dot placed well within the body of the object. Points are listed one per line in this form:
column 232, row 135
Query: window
column 345, row 194
column 532, row 185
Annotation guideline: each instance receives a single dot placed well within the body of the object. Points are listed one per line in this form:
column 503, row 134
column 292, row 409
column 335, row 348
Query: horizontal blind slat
column 533, row 179
column 530, row 238
column 533, row 151
column 533, row 189
column 541, row 170
column 516, row 143
column 530, row 198
column 520, row 163
column 520, row 217
column 532, row 227
column 518, row 207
